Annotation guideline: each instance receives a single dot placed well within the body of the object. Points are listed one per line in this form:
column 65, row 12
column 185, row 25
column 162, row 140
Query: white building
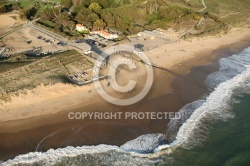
column 151, row 34
column 105, row 34
column 80, row 28
column 147, row 34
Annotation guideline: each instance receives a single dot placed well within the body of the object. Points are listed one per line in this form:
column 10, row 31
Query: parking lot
column 30, row 39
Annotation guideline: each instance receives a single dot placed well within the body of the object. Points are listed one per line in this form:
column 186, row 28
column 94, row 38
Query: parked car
column 63, row 44
column 78, row 41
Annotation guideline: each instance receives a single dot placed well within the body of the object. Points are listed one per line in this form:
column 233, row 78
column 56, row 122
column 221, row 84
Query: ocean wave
column 185, row 114
column 217, row 106
column 85, row 155
column 229, row 68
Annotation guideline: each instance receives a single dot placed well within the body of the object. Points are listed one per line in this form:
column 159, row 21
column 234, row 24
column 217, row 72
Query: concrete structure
column 147, row 34
column 152, row 34
column 82, row 46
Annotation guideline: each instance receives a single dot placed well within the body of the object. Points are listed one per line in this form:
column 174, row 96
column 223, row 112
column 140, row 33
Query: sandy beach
column 44, row 99
column 173, row 55
column 43, row 111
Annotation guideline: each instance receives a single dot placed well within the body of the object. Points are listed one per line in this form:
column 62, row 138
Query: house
column 105, row 34
column 81, row 28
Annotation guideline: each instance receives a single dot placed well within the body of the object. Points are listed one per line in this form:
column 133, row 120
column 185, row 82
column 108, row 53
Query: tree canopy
column 95, row 7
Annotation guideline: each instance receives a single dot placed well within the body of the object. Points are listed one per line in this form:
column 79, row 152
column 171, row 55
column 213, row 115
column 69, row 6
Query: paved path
column 230, row 14
column 199, row 22
column 203, row 3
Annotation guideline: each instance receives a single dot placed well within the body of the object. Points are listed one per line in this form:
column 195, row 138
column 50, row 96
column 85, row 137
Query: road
column 46, row 32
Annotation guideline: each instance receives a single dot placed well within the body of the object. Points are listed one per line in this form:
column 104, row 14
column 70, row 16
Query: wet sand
column 56, row 130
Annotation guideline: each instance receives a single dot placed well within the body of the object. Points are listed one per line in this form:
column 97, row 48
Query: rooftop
column 104, row 33
column 79, row 25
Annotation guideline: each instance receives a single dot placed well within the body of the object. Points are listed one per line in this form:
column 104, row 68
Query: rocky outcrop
column 145, row 143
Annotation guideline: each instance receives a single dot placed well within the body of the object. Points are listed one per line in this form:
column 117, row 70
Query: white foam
column 229, row 68
column 216, row 107
column 54, row 155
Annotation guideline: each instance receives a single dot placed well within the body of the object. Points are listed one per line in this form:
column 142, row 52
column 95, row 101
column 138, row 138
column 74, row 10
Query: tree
column 108, row 18
column 92, row 18
column 47, row 14
column 82, row 17
column 66, row 3
column 16, row 6
column 2, row 9
column 76, row 2
column 69, row 25
column 95, row 7
column 78, row 8
column 99, row 24
column 87, row 17
column 28, row 12
column 23, row 13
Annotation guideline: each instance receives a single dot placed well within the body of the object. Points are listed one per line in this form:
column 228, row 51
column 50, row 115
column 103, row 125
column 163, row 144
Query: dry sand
column 55, row 98
column 172, row 55
column 6, row 22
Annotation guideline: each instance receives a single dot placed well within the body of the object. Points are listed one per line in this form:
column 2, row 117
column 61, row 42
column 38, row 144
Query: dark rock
column 145, row 143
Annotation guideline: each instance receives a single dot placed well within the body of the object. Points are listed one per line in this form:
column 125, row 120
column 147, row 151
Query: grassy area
column 6, row 66
column 55, row 1
column 23, row 3
column 26, row 3
column 227, row 10
column 27, row 74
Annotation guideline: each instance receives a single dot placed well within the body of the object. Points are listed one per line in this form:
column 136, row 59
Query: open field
column 29, row 74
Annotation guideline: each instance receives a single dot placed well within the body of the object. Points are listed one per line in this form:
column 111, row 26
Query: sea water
column 227, row 144
column 217, row 132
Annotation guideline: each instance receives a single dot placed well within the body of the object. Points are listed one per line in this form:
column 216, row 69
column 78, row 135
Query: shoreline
column 42, row 125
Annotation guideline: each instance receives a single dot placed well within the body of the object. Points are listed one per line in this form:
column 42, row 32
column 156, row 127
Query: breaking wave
column 231, row 80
